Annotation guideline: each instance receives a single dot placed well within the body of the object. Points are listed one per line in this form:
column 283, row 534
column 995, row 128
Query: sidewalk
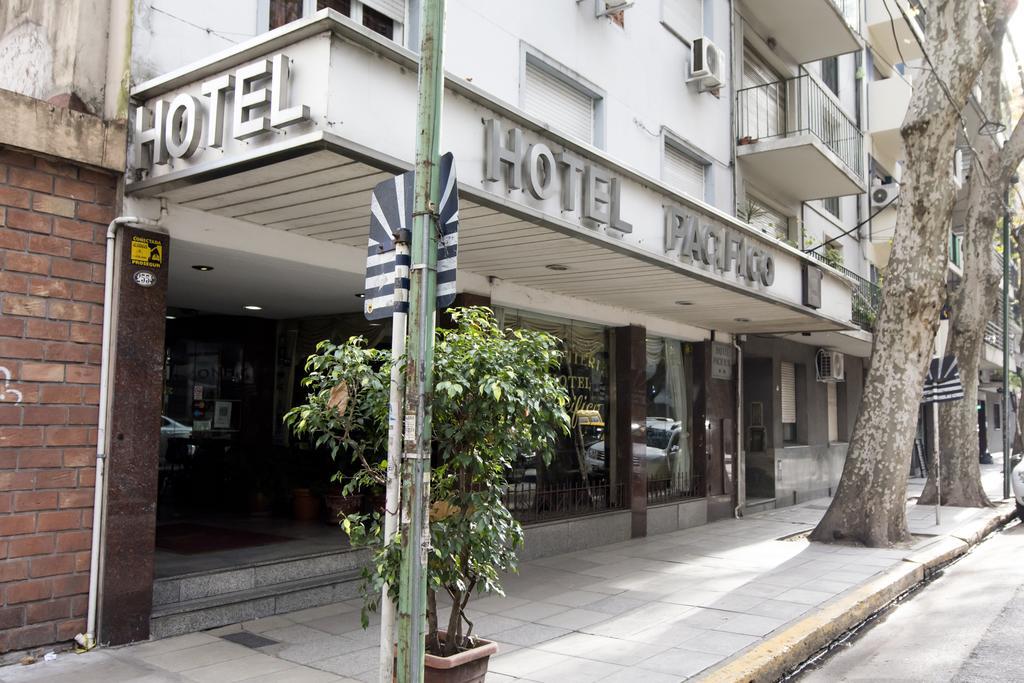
column 727, row 601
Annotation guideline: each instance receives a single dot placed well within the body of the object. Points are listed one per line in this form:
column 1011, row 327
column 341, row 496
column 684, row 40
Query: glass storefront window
column 581, row 476
column 670, row 466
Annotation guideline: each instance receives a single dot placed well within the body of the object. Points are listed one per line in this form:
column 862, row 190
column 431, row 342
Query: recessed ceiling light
column 360, row 295
column 742, row 320
column 556, row 266
column 202, row 268
column 170, row 317
column 253, row 308
column 684, row 303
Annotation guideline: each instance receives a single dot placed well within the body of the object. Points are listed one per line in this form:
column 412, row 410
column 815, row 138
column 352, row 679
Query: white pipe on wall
column 88, row 639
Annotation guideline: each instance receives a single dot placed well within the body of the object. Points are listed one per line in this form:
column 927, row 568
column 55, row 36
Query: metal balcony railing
column 866, row 296
column 799, row 106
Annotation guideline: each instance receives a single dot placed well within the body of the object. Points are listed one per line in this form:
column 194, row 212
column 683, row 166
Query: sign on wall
column 723, row 358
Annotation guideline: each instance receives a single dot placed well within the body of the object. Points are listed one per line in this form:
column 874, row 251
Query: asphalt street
column 965, row 626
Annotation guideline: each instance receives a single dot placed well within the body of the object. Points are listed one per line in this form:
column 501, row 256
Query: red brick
column 74, row 270
column 50, row 610
column 30, row 636
column 36, row 458
column 11, row 618
column 9, row 156
column 42, row 372
column 79, row 606
column 26, row 220
column 57, row 168
column 90, row 396
column 80, row 457
column 67, row 630
column 86, row 251
column 21, row 348
column 67, row 436
column 59, row 520
column 51, row 287
column 83, row 374
column 8, row 461
column 75, row 230
column 67, row 310
column 9, row 327
column 21, row 436
column 96, row 213
column 26, row 546
column 12, row 282
column 106, row 194
column 82, row 559
column 48, row 244
column 86, row 333
column 84, row 292
column 24, row 305
column 13, row 570
column 47, row 329
column 70, row 585
column 75, row 499
column 11, row 415
column 83, row 415
column 27, row 501
column 73, row 541
column 32, row 180
column 60, row 394
column 51, row 565
column 6, row 503
column 13, row 196
column 27, row 263
column 65, row 351
column 12, row 239
column 75, row 189
column 60, row 206
column 56, row 479
column 12, row 525
column 102, row 178
column 87, row 477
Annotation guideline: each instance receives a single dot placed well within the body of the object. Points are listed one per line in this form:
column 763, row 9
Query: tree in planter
column 496, row 395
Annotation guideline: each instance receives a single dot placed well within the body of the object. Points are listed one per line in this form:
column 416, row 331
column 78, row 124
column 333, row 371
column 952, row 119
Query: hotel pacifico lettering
column 175, row 129
column 716, row 247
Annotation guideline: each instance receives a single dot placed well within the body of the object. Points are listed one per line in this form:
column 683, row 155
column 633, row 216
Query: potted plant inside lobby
column 496, row 395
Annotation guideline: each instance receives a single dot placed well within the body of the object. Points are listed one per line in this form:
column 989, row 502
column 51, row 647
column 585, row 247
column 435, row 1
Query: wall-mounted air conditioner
column 707, row 65
column 884, row 195
column 830, row 366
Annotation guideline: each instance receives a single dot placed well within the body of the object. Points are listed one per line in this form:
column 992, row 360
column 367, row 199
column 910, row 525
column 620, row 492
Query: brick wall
column 53, row 218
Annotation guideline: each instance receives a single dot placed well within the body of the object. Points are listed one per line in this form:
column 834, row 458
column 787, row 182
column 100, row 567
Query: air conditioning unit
column 884, row 195
column 830, row 366
column 605, row 7
column 707, row 65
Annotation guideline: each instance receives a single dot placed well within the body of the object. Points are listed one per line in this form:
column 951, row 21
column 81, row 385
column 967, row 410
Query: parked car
column 1017, row 484
column 663, row 437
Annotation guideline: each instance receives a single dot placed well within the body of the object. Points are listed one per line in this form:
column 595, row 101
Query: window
column 762, row 101
column 670, row 466
column 766, row 219
column 378, row 23
column 830, row 74
column 833, row 413
column 385, row 17
column 831, row 204
column 787, row 387
column 683, row 172
column 685, row 18
column 555, row 99
column 284, row 11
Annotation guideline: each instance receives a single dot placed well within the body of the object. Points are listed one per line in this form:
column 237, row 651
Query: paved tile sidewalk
column 663, row 608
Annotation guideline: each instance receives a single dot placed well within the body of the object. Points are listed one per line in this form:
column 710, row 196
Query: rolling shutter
column 768, row 220
column 833, row 413
column 683, row 17
column 566, row 108
column 395, row 9
column 788, row 385
column 684, row 173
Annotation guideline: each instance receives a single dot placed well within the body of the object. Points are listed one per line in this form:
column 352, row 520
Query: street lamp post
column 1006, row 343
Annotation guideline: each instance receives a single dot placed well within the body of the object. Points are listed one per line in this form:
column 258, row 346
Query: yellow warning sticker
column 147, row 252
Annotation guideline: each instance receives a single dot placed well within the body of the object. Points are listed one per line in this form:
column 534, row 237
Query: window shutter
column 395, row 9
column 767, row 219
column 684, row 173
column 833, row 413
column 685, row 18
column 566, row 108
column 788, row 393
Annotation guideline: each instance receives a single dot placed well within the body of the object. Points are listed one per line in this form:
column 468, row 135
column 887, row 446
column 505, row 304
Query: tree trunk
column 870, row 502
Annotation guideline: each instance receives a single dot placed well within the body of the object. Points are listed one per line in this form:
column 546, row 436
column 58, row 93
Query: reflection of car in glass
column 663, row 439
column 171, row 429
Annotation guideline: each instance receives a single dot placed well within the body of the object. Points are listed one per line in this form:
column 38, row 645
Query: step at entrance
column 203, row 600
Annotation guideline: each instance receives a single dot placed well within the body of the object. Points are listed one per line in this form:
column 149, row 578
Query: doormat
column 185, row 538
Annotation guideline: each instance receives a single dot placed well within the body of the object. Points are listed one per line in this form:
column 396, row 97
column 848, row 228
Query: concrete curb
column 779, row 654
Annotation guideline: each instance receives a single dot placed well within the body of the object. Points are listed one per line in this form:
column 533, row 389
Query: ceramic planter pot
column 463, row 667
column 305, row 505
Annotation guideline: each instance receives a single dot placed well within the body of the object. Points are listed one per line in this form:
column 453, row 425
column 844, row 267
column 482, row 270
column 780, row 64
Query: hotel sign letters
column 543, row 172
column 177, row 129
column 717, row 247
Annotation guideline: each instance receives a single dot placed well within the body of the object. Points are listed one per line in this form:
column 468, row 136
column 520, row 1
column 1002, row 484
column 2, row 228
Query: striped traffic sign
column 943, row 381
column 387, row 273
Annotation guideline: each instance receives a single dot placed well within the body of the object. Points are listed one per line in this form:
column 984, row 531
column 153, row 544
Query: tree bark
column 870, row 502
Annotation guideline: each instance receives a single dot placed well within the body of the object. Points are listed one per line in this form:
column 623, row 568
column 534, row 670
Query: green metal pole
column 420, row 369
column 1006, row 344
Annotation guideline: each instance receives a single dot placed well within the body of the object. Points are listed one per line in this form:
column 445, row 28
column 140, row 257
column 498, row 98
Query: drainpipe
column 88, row 639
column 741, row 456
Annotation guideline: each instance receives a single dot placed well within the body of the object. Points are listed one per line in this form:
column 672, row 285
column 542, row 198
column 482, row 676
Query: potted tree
column 496, row 395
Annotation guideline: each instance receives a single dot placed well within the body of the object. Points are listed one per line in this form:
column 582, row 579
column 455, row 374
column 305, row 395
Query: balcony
column 794, row 138
column 885, row 19
column 888, row 100
column 808, row 29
